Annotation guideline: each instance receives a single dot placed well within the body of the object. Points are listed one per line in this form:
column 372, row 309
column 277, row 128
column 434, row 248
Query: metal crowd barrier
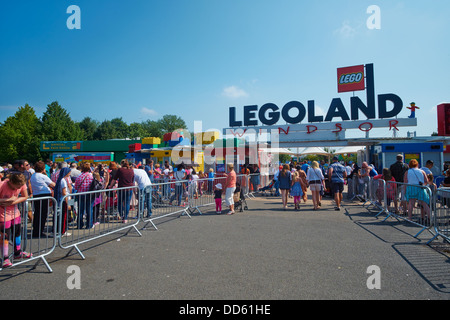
column 32, row 232
column 87, row 216
column 168, row 198
column 83, row 217
column 415, row 204
column 198, row 200
column 441, row 221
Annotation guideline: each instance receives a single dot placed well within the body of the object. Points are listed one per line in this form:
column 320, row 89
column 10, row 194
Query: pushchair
column 239, row 199
column 269, row 188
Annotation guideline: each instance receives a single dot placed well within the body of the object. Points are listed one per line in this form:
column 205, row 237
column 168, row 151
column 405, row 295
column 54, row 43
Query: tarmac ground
column 263, row 253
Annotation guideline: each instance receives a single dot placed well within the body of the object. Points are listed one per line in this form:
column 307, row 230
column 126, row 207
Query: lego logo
column 351, row 78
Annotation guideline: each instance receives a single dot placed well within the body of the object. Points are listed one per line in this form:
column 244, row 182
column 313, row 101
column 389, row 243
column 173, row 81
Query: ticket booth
column 385, row 154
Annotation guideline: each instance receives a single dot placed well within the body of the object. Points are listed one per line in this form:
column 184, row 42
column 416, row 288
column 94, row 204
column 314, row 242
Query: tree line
column 21, row 134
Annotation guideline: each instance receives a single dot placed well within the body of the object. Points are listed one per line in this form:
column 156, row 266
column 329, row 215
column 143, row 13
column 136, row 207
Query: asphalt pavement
column 263, row 253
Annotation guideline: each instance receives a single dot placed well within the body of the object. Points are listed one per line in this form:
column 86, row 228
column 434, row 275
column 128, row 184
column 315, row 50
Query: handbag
column 321, row 192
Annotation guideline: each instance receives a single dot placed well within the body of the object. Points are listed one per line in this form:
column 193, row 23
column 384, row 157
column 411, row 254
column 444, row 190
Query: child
column 13, row 191
column 61, row 190
column 296, row 190
column 218, row 197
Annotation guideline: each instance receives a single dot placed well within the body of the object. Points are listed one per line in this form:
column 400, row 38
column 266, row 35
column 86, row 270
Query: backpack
column 95, row 185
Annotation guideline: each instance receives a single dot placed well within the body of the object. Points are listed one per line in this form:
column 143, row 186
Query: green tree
column 58, row 126
column 170, row 123
column 105, row 131
column 88, row 127
column 19, row 136
column 120, row 127
column 151, row 129
column 136, row 130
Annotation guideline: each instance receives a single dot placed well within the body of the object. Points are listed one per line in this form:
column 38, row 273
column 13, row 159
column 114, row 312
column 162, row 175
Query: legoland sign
column 349, row 79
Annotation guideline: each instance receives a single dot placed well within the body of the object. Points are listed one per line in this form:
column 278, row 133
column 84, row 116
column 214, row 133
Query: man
column 430, row 168
column 48, row 167
column 364, row 179
column 305, row 166
column 337, row 174
column 21, row 167
column 149, row 169
column 398, row 170
column 74, row 172
column 145, row 190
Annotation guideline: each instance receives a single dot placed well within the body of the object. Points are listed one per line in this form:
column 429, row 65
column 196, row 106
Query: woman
column 125, row 178
column 83, row 184
column 230, row 187
column 415, row 178
column 315, row 179
column 285, row 181
column 61, row 190
column 40, row 184
column 255, row 178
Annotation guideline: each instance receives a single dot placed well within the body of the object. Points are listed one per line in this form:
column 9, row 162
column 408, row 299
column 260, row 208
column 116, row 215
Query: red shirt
column 83, row 182
column 125, row 177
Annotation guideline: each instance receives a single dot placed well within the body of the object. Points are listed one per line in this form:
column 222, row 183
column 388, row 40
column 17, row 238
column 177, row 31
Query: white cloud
column 234, row 92
column 346, row 30
column 149, row 112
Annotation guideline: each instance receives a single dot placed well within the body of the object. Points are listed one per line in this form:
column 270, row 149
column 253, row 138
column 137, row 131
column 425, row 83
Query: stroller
column 269, row 188
column 239, row 199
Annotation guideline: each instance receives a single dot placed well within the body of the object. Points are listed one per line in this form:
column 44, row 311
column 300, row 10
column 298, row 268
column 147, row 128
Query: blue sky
column 142, row 59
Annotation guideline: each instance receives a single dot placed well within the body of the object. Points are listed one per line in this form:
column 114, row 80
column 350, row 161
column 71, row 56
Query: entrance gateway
column 304, row 128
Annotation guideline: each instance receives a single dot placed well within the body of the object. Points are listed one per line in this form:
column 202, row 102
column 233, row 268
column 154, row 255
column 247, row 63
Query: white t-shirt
column 179, row 175
column 39, row 183
column 141, row 178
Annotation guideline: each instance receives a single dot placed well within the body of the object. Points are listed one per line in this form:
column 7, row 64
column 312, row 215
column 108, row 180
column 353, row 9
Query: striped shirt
column 337, row 175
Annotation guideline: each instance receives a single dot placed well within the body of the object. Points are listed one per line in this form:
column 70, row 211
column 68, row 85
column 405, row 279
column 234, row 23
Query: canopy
column 277, row 150
column 315, row 150
column 345, row 150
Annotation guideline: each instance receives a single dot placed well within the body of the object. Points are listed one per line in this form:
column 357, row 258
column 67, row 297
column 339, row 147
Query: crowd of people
column 63, row 181
column 293, row 180
column 21, row 181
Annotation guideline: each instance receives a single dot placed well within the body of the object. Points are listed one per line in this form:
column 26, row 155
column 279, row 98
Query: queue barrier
column 35, row 233
column 441, row 222
column 83, row 217
column 415, row 204
column 167, row 199
column 86, row 216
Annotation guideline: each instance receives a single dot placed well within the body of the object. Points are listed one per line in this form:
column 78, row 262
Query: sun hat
column 219, row 186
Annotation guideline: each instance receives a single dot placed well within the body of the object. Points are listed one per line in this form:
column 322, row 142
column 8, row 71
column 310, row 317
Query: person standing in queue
column 125, row 177
column 337, row 174
column 230, row 187
column 285, row 181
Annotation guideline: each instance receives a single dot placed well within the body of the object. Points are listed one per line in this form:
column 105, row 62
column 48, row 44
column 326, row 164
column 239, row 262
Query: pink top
column 11, row 212
column 231, row 180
